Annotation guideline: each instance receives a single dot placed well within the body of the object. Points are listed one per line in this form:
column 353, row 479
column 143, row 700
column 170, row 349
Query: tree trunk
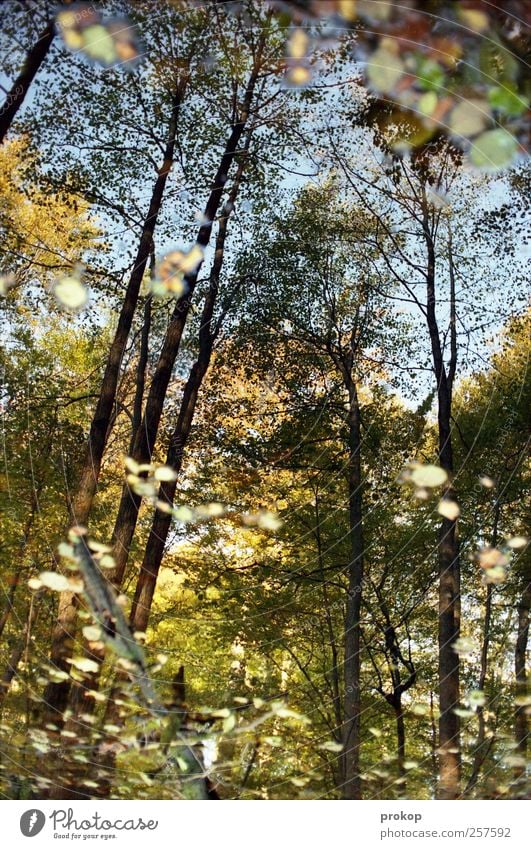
column 142, row 364
column 352, row 698
column 56, row 695
column 18, row 651
column 14, row 579
column 16, row 95
column 80, row 702
column 146, row 434
column 400, row 741
column 448, row 544
column 147, row 578
column 521, row 720
column 482, row 746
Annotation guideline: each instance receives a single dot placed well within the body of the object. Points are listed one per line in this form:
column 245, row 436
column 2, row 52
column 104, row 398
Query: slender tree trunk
column 16, row 95
column 142, row 365
column 147, row 579
column 521, row 720
column 335, row 679
column 18, row 651
column 80, row 702
column 147, row 433
column 400, row 741
column 448, row 545
column 482, row 746
column 433, row 736
column 14, row 580
column 56, row 695
column 352, row 665
column 153, row 555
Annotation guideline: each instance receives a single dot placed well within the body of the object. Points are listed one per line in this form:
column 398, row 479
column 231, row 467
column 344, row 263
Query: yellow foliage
column 43, row 231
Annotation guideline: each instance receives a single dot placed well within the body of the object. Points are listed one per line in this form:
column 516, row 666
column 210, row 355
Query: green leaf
column 430, row 75
column 508, row 100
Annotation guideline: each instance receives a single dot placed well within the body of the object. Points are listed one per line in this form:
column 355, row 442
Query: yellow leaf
column 474, row 19
column 299, row 75
column 298, row 44
column 84, row 664
column 448, row 508
column 429, row 476
column 165, row 473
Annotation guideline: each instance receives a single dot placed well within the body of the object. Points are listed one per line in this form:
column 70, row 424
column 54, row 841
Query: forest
column 264, row 301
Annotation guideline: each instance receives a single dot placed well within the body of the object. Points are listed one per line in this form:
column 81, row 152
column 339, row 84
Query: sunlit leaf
column 131, row 465
column 92, row 632
column 54, row 581
column 298, row 44
column 165, row 473
column 476, row 698
column 347, row 9
column 183, row 514
column 448, row 508
column 419, row 710
column 70, row 292
column 229, row 723
column 98, row 44
column 211, row 510
column 84, row 664
column 496, row 575
column 299, row 75
column 508, row 100
column 493, row 150
column 464, row 646
column 489, row 557
column 517, row 542
column 463, row 712
column 331, row 746
column 427, row 104
column 474, row 19
column 428, row 476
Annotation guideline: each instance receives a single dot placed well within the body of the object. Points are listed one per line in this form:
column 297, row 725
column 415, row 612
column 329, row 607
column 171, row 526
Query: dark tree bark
column 396, row 660
column 16, row 95
column 352, row 660
column 142, row 365
column 147, row 433
column 56, row 695
column 14, row 579
column 80, row 702
column 147, row 578
column 483, row 745
column 18, row 651
column 448, row 545
column 521, row 720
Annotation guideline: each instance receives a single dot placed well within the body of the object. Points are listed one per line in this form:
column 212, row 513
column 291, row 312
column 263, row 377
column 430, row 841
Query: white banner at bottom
column 265, row 825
